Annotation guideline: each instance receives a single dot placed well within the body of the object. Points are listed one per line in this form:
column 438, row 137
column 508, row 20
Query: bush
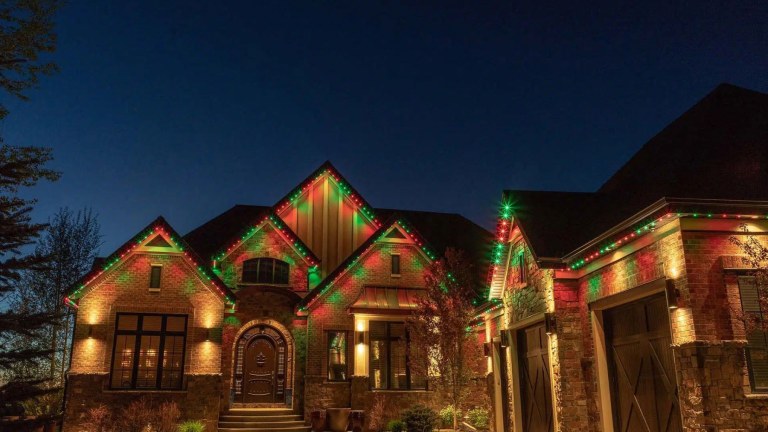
column 98, row 419
column 478, row 417
column 192, row 426
column 168, row 415
column 446, row 415
column 396, row 426
column 419, row 419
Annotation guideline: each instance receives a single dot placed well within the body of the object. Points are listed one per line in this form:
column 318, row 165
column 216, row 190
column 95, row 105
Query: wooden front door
column 535, row 384
column 641, row 367
column 260, row 370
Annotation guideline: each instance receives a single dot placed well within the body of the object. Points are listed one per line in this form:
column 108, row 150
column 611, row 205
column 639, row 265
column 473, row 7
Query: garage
column 641, row 367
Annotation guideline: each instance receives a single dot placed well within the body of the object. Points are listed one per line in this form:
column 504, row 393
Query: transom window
column 757, row 339
column 149, row 351
column 389, row 358
column 265, row 271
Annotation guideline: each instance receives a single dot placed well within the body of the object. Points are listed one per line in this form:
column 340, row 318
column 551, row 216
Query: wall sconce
column 550, row 323
column 506, row 338
column 672, row 293
column 90, row 331
column 213, row 335
column 487, row 349
column 359, row 337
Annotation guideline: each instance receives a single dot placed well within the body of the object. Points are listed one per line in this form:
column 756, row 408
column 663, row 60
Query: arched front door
column 260, row 370
column 261, row 363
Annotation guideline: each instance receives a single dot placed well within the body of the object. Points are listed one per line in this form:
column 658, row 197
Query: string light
column 645, row 228
column 326, row 284
column 159, row 227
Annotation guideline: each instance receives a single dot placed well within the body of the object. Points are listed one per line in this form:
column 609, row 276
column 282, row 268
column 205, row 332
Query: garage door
column 535, row 387
column 642, row 369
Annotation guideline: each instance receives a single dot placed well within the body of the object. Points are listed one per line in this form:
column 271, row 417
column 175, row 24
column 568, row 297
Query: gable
column 370, row 260
column 268, row 239
column 329, row 216
column 157, row 239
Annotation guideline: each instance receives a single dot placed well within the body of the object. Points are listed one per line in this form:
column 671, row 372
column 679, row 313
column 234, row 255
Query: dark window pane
column 250, row 270
column 127, row 322
column 281, row 272
column 395, row 264
column 154, row 277
column 148, row 356
column 399, row 379
column 266, row 270
column 337, row 356
column 152, row 323
column 176, row 324
column 122, row 363
column 173, row 358
column 379, row 371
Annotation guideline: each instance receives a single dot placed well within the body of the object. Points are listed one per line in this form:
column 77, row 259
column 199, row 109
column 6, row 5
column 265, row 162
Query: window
column 521, row 270
column 154, row 277
column 395, row 265
column 337, row 355
column 148, row 351
column 265, row 271
column 389, row 358
column 757, row 340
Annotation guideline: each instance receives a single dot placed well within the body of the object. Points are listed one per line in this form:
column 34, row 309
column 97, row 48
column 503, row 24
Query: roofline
column 665, row 203
column 328, row 166
column 266, row 216
column 134, row 241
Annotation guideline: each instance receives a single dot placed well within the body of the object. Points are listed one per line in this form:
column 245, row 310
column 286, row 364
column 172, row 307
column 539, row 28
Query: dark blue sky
column 184, row 109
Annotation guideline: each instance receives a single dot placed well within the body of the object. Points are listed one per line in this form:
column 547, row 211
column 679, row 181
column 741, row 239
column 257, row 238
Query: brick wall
column 125, row 288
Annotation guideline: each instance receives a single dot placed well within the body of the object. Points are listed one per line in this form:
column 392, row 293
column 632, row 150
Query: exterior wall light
column 506, row 338
column 550, row 323
column 672, row 293
column 213, row 335
column 359, row 337
column 90, row 331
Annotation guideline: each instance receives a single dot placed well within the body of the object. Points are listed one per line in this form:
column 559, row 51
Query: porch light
column 506, row 338
column 359, row 337
column 550, row 323
column 672, row 293
column 90, row 331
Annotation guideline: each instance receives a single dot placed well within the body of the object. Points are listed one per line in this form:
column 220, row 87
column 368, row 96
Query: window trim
column 152, row 268
column 259, row 261
column 138, row 333
column 347, row 357
column 399, row 265
column 388, row 341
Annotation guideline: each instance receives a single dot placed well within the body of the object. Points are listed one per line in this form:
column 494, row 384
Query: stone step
column 266, row 429
column 260, row 411
column 239, row 418
column 260, row 424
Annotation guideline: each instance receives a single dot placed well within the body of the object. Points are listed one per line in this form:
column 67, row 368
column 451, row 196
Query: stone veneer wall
column 199, row 400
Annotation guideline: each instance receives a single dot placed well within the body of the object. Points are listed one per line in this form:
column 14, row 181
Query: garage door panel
column 642, row 367
column 535, row 384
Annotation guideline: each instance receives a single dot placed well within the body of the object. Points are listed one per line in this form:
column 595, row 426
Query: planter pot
column 338, row 419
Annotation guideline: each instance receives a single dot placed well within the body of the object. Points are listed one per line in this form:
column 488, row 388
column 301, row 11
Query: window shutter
column 757, row 345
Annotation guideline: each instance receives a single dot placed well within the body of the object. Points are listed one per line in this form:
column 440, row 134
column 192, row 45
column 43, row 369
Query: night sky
column 183, row 109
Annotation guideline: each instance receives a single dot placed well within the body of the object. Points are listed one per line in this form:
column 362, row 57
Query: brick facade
column 708, row 338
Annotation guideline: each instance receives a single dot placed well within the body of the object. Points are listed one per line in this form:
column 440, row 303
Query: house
column 623, row 309
column 298, row 306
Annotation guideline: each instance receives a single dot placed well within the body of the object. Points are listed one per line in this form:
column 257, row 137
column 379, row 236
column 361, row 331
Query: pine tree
column 20, row 167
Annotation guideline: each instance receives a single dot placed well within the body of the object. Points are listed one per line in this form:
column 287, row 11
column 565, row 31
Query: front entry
column 535, row 383
column 260, row 370
column 260, row 367
column 641, row 367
